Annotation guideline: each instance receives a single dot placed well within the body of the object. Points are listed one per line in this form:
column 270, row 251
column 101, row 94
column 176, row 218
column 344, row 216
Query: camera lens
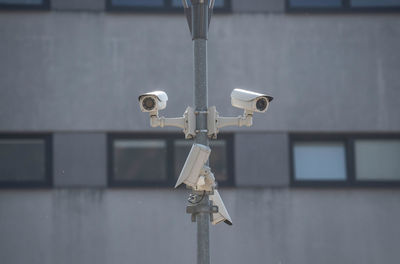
column 261, row 104
column 149, row 103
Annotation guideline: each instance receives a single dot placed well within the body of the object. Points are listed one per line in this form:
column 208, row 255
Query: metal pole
column 199, row 30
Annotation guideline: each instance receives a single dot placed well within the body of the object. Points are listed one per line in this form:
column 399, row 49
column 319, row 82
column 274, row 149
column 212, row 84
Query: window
column 340, row 159
column 377, row 159
column 315, row 3
column 25, row 160
column 158, row 5
column 217, row 4
column 157, row 160
column 25, row 4
column 319, row 161
column 375, row 3
column 150, row 160
column 342, row 5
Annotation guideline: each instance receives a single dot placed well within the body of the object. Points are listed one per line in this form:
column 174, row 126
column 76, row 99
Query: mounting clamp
column 201, row 208
column 187, row 122
column 215, row 122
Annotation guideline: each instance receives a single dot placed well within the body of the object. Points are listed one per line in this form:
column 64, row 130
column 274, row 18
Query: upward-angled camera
column 250, row 101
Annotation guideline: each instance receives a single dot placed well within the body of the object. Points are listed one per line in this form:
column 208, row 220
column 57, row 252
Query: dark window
column 138, row 3
column 375, row 3
column 316, row 3
column 158, row 5
column 25, row 4
column 156, row 160
column 217, row 4
column 142, row 152
column 342, row 5
column 340, row 159
column 25, row 161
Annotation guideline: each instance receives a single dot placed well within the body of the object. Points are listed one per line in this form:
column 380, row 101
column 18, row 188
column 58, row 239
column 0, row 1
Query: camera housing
column 152, row 102
column 195, row 167
column 250, row 101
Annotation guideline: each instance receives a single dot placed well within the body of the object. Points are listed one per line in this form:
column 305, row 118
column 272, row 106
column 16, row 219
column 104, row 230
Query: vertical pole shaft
column 199, row 34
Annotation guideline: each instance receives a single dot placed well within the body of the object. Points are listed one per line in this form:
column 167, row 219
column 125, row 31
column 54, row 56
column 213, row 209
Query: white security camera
column 194, row 173
column 250, row 101
column 153, row 101
column 222, row 214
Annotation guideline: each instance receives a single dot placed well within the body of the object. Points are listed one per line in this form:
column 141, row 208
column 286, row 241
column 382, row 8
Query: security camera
column 194, row 173
column 250, row 101
column 222, row 214
column 153, row 101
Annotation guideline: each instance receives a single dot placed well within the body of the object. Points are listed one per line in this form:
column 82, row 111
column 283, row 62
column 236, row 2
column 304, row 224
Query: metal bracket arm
column 187, row 122
column 156, row 121
column 243, row 120
column 215, row 122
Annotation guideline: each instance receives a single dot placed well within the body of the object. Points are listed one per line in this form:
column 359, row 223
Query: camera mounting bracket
column 206, row 181
column 187, row 122
column 215, row 122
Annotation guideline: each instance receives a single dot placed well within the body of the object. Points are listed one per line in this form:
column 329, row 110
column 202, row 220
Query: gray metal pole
column 199, row 23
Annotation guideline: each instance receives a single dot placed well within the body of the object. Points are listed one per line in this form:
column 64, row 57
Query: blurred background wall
column 85, row 179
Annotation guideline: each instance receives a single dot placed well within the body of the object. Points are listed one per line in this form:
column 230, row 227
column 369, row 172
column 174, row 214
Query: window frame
column 170, row 155
column 344, row 8
column 47, row 182
column 166, row 8
column 349, row 143
column 45, row 6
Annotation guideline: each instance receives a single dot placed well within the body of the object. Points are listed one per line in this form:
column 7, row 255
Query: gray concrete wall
column 79, row 160
column 150, row 226
column 83, row 71
column 261, row 160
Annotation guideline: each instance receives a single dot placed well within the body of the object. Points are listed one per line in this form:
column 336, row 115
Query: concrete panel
column 26, row 227
column 102, row 226
column 79, row 159
column 87, row 69
column 79, row 226
column 261, row 159
column 78, row 5
column 258, row 6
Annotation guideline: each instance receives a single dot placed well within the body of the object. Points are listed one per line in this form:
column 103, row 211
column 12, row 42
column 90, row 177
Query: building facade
column 85, row 179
